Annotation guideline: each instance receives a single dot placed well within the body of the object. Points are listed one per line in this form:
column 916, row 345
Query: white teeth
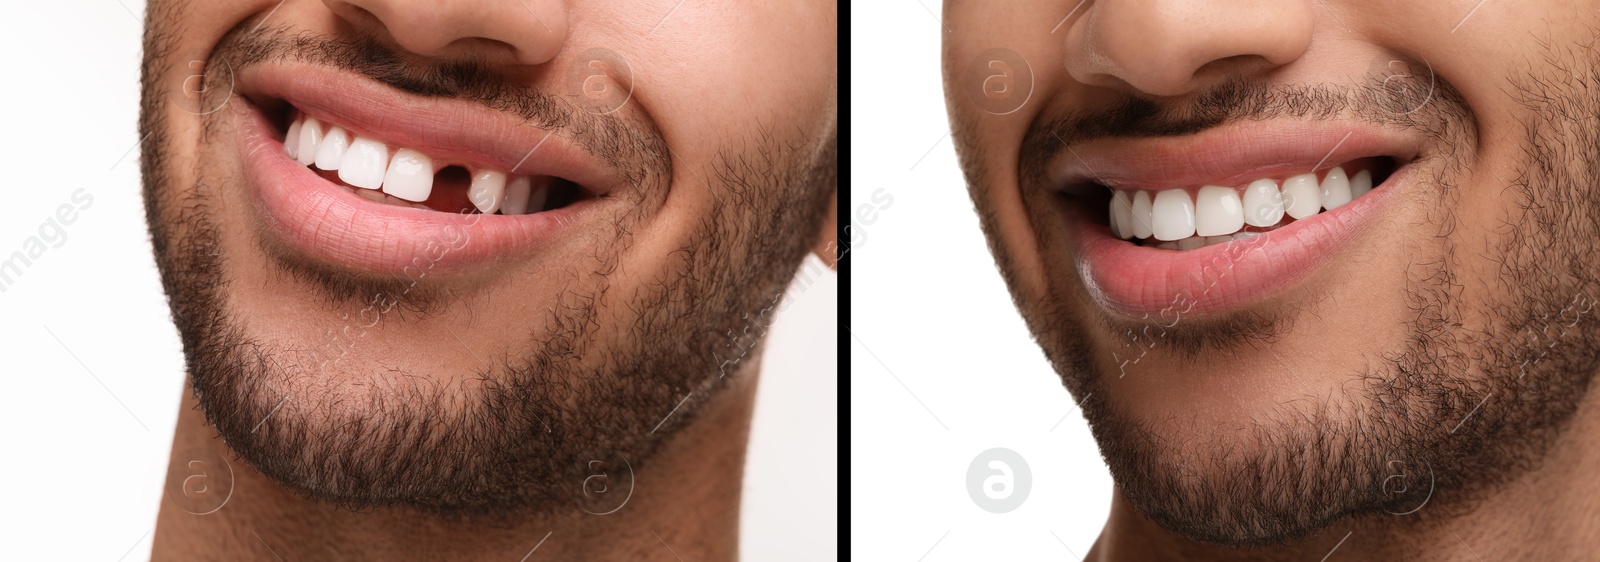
column 488, row 190
column 333, row 147
column 1140, row 214
column 517, row 193
column 310, row 138
column 364, row 163
column 1116, row 229
column 1122, row 214
column 522, row 197
column 1217, row 211
column 1360, row 184
column 1263, row 203
column 1170, row 219
column 1172, row 215
column 291, row 140
column 1301, row 196
column 1335, row 189
column 410, row 176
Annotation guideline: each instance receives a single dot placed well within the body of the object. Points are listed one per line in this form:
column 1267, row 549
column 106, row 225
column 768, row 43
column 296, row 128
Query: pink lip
column 1143, row 281
column 329, row 223
column 1228, row 156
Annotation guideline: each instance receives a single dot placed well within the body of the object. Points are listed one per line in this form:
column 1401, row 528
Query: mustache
column 1419, row 101
column 363, row 54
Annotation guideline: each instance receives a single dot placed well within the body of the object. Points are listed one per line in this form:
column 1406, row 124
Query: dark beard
column 524, row 436
column 1454, row 414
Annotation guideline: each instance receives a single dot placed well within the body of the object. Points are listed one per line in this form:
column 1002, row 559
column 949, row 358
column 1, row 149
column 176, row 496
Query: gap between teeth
column 404, row 173
column 1218, row 214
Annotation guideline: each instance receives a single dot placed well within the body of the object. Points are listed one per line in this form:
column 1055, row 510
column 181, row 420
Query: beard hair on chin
column 508, row 445
column 1455, row 413
column 519, row 438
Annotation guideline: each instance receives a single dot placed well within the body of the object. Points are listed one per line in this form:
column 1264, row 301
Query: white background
column 941, row 366
column 87, row 421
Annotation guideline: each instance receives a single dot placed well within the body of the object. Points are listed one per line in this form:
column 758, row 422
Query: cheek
column 777, row 71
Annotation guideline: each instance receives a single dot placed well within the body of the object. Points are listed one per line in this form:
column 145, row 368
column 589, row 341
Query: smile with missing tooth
column 403, row 176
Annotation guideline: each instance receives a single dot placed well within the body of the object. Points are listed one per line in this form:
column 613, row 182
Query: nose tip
column 526, row 33
column 1175, row 47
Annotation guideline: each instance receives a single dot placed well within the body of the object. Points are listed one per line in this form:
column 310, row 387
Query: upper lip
column 444, row 129
column 1228, row 155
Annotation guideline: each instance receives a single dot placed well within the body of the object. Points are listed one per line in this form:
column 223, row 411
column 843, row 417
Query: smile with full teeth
column 403, row 176
column 1185, row 219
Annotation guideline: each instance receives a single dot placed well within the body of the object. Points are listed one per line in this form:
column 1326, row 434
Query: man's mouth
column 394, row 175
column 355, row 174
column 1216, row 220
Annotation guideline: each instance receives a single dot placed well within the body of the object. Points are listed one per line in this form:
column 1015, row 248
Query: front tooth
column 1140, row 214
column 1191, row 243
column 1122, row 214
column 1263, row 203
column 410, row 176
column 1217, row 211
column 291, row 140
column 310, row 138
column 1217, row 239
column 333, row 147
column 1172, row 215
column 517, row 192
column 1360, row 184
column 364, row 163
column 1167, row 245
column 1301, row 196
column 1335, row 189
column 1116, row 229
column 488, row 190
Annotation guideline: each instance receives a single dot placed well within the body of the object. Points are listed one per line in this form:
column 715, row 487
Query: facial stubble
column 1456, row 412
column 524, row 436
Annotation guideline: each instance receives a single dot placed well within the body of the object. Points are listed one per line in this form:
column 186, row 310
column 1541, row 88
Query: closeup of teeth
column 403, row 173
column 1175, row 219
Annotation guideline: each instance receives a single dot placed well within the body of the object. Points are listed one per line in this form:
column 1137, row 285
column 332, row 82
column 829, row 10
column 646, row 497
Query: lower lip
column 330, row 223
column 1146, row 282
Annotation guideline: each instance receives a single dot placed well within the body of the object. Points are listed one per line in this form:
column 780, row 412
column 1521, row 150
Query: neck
column 685, row 506
column 1549, row 513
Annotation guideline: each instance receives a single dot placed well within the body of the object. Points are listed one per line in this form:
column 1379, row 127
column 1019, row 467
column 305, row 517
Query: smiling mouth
column 1192, row 217
column 1218, row 220
column 394, row 175
column 377, row 181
